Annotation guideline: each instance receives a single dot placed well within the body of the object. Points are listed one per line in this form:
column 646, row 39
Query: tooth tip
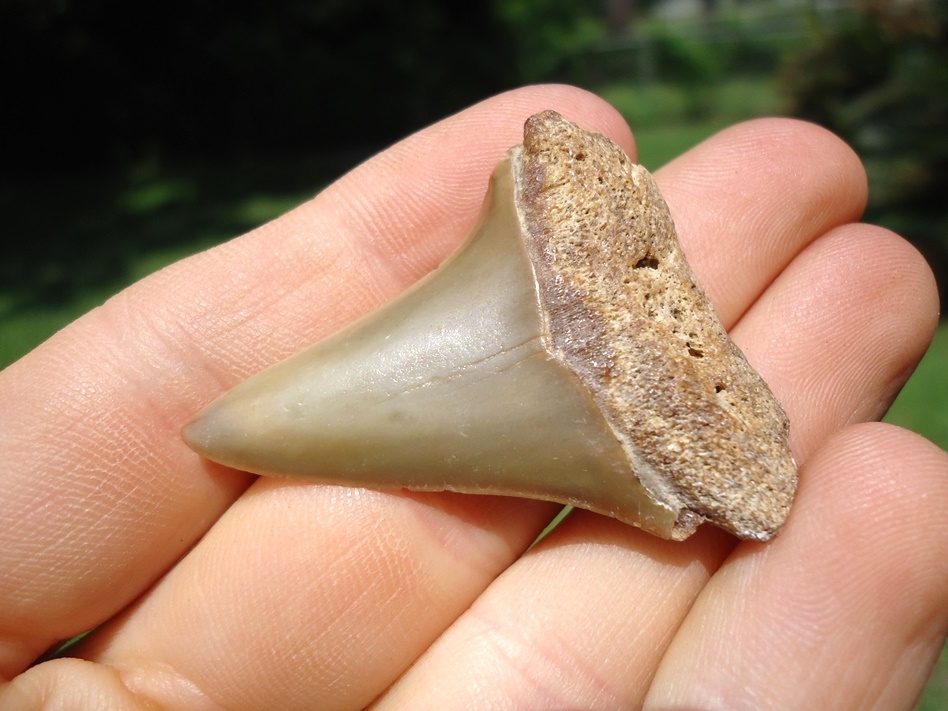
column 207, row 434
column 196, row 435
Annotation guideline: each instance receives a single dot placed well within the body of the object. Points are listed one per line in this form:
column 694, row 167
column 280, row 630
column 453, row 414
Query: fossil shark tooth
column 565, row 352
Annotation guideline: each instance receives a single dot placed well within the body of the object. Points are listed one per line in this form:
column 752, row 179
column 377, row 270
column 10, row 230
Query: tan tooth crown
column 564, row 352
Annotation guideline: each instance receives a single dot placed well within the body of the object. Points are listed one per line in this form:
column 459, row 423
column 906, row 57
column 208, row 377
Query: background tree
column 102, row 81
column 881, row 82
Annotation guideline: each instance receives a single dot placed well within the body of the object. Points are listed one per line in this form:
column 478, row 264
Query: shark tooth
column 565, row 352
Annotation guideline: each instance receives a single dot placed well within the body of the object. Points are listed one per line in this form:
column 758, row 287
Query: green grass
column 935, row 697
column 667, row 119
column 109, row 231
column 922, row 406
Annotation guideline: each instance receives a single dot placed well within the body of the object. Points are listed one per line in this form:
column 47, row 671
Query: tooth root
column 564, row 352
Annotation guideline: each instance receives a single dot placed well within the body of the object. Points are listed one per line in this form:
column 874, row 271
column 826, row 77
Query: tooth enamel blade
column 565, row 352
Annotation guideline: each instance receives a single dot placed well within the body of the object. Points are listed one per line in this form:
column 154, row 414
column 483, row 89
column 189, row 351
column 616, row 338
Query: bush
column 881, row 84
column 105, row 83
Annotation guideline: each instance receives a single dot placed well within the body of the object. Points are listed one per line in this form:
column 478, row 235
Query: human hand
column 213, row 591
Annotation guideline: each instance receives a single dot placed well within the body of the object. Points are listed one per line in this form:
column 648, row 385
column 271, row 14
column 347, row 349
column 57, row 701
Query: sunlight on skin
column 292, row 596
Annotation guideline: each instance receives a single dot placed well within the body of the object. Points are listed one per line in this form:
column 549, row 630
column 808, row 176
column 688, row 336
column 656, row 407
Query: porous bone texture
column 702, row 431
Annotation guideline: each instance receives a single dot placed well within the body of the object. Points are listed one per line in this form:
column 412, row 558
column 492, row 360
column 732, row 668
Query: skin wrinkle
column 358, row 227
column 308, row 252
column 91, row 487
column 391, row 579
column 391, row 251
column 250, row 328
column 244, row 636
column 559, row 652
column 160, row 357
column 585, row 679
column 384, row 231
column 537, row 582
column 476, row 547
column 520, row 655
column 155, row 684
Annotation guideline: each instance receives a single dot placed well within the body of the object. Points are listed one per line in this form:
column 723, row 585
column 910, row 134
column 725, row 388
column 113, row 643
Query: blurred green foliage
column 113, row 107
column 922, row 406
column 125, row 229
column 545, row 34
column 881, row 83
column 106, row 83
